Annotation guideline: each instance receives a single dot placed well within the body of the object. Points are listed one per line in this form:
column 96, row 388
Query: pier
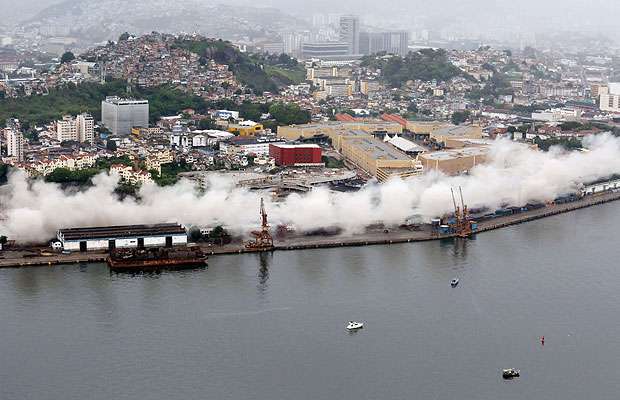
column 42, row 256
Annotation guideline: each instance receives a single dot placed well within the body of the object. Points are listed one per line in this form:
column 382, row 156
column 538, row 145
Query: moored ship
column 154, row 258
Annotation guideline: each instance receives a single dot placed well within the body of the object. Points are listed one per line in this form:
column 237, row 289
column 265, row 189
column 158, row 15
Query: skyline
column 478, row 17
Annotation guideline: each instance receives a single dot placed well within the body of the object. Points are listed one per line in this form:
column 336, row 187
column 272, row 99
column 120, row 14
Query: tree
column 67, row 57
column 459, row 117
column 111, row 145
column 206, row 123
column 66, row 176
column 426, row 65
column 124, row 189
column 194, row 234
column 4, row 172
column 252, row 111
column 124, row 36
column 289, row 113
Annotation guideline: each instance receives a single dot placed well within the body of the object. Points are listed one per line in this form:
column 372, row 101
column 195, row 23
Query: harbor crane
column 262, row 238
column 462, row 226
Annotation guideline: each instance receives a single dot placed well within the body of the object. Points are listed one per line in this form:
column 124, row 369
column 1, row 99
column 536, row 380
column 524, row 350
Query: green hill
column 248, row 69
column 87, row 97
column 425, row 65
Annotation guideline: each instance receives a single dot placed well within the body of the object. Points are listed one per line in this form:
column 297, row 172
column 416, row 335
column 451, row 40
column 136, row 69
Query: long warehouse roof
column 121, row 231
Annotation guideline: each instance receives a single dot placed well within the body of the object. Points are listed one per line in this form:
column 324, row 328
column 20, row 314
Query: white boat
column 510, row 373
column 454, row 282
column 355, row 325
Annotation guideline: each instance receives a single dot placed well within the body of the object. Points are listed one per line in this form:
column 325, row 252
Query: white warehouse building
column 125, row 236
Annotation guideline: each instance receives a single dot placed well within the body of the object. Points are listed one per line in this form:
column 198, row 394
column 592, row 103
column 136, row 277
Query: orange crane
column 462, row 225
column 262, row 238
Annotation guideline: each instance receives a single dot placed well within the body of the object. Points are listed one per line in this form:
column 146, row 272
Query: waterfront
column 271, row 326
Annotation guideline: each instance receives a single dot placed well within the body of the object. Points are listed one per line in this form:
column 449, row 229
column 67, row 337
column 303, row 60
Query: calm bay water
column 273, row 326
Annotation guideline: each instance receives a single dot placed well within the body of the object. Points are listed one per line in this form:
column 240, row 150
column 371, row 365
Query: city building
column 558, row 114
column 15, row 143
column 273, row 48
column 295, row 154
column 79, row 129
column 454, row 162
column 450, row 132
column 609, row 97
column 350, row 33
column 86, row 128
column 66, row 129
column 130, row 175
column 367, row 87
column 120, row 115
column 127, row 236
column 146, row 131
column 292, row 42
column 396, row 42
column 331, row 129
column 245, row 128
column 248, row 145
column 327, row 50
column 378, row 159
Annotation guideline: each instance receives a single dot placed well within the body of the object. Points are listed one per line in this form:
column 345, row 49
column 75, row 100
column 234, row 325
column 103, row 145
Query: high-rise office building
column 396, row 42
column 350, row 32
column 120, row 115
column 293, row 41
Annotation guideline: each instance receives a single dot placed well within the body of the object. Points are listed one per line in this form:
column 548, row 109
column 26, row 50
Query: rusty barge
column 156, row 258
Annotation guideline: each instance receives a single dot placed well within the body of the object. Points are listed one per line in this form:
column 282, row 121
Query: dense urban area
column 334, row 106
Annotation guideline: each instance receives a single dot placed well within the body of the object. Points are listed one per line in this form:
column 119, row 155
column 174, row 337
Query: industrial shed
column 125, row 236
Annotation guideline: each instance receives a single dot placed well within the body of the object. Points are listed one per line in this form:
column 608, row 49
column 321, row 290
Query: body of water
column 272, row 326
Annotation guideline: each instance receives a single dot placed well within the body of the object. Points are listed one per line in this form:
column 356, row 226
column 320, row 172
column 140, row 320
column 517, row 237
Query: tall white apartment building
column 609, row 97
column 66, row 129
column 86, row 128
column 15, row 144
column 79, row 129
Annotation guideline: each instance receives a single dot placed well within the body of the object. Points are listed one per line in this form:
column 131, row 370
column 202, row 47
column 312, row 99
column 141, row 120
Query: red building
column 295, row 154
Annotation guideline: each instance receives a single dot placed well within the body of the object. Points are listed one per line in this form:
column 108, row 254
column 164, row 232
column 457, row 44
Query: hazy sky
column 536, row 15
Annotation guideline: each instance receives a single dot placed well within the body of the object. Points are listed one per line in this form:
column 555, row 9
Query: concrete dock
column 42, row 256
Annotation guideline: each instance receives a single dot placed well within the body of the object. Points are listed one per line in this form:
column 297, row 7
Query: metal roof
column 121, row 231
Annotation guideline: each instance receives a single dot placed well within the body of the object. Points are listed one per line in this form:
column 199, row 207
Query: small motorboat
column 355, row 325
column 510, row 373
column 454, row 282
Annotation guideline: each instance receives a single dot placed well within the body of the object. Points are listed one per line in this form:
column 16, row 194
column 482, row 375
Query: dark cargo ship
column 156, row 258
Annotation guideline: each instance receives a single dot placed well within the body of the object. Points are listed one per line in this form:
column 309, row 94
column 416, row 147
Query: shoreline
column 18, row 259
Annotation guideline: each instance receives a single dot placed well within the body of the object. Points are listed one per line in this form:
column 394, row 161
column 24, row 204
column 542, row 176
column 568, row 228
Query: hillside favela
column 286, row 200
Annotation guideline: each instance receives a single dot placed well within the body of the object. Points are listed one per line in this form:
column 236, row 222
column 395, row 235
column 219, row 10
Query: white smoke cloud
column 514, row 174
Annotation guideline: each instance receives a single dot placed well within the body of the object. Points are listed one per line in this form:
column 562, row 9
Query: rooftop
column 456, row 130
column 405, row 145
column 455, row 154
column 378, row 150
column 121, row 231
column 121, row 101
column 296, row 146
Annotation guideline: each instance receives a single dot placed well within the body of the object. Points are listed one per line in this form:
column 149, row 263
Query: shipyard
column 152, row 245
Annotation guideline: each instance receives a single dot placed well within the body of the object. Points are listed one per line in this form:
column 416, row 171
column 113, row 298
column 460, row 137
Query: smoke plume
column 514, row 174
